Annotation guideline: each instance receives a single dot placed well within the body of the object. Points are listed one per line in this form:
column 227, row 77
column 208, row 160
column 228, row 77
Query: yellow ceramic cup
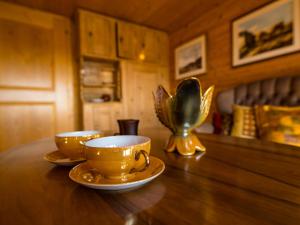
column 71, row 144
column 118, row 157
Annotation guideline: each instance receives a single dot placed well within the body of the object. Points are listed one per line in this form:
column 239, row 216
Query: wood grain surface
column 236, row 181
column 166, row 15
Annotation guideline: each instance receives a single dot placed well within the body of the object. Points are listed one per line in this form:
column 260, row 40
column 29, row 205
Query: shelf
column 102, row 103
column 100, row 78
column 100, row 86
column 92, row 58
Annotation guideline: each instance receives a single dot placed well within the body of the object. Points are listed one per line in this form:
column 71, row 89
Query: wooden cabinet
column 36, row 76
column 143, row 55
column 141, row 43
column 141, row 80
column 99, row 38
column 102, row 116
column 97, row 35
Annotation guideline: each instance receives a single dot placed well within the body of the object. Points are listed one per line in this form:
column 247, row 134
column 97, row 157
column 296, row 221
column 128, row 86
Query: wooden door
column 36, row 92
column 97, row 35
column 140, row 81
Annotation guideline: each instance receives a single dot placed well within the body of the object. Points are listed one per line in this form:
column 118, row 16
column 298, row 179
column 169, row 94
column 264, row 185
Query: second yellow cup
column 71, row 144
column 118, row 157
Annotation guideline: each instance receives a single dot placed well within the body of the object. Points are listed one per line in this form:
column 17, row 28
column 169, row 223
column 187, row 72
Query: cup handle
column 137, row 157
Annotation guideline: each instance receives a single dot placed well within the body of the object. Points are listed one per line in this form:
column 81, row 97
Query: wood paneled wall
column 216, row 24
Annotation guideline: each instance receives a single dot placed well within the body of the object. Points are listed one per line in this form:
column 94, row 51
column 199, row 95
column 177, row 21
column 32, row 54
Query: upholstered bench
column 281, row 91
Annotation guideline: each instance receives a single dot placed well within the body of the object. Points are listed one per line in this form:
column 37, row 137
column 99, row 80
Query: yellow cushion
column 243, row 122
column 279, row 124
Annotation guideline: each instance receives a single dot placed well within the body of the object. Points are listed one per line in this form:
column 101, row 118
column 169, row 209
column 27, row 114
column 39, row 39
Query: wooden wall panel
column 22, row 123
column 216, row 24
column 25, row 60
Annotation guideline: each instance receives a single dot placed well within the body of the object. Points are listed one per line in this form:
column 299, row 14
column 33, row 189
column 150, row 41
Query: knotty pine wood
column 97, row 35
column 102, row 116
column 140, row 80
column 216, row 24
column 166, row 15
column 134, row 40
column 237, row 181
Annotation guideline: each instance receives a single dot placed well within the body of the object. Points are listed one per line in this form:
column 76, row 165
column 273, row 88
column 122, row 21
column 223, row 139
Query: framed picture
column 270, row 31
column 190, row 58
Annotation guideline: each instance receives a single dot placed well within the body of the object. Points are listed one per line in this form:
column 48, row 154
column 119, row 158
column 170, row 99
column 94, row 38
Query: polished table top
column 236, row 181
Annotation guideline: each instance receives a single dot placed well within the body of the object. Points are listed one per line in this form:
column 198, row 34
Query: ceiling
column 166, row 15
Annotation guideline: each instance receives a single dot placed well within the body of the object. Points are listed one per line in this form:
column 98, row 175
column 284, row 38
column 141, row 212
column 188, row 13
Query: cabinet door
column 36, row 77
column 129, row 40
column 134, row 40
column 101, row 117
column 162, row 41
column 156, row 46
column 150, row 45
column 97, row 35
column 141, row 80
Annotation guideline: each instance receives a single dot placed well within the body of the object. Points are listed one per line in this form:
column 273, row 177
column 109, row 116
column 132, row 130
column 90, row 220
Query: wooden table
column 236, row 182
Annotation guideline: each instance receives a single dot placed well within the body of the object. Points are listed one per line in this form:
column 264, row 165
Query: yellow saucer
column 58, row 158
column 89, row 177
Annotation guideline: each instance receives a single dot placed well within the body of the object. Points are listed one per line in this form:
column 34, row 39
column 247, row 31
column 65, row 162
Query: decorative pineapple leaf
column 162, row 103
column 205, row 105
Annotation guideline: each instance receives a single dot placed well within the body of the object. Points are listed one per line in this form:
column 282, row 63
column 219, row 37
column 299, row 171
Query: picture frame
column 190, row 58
column 267, row 32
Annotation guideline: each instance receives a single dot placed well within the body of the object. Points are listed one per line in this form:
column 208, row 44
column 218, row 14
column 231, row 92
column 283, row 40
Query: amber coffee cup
column 71, row 144
column 118, row 157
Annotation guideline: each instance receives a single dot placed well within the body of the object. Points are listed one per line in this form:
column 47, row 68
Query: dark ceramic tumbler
column 128, row 127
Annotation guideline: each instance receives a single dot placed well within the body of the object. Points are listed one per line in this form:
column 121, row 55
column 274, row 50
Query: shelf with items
column 104, row 85
column 100, row 80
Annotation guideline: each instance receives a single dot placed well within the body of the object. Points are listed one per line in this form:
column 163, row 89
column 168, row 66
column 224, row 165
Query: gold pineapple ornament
column 183, row 112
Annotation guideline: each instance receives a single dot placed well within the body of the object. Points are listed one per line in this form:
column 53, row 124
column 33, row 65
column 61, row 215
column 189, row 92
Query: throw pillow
column 279, row 124
column 244, row 124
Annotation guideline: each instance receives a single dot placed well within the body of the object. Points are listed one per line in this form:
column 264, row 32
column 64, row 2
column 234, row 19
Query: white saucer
column 88, row 177
column 58, row 158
